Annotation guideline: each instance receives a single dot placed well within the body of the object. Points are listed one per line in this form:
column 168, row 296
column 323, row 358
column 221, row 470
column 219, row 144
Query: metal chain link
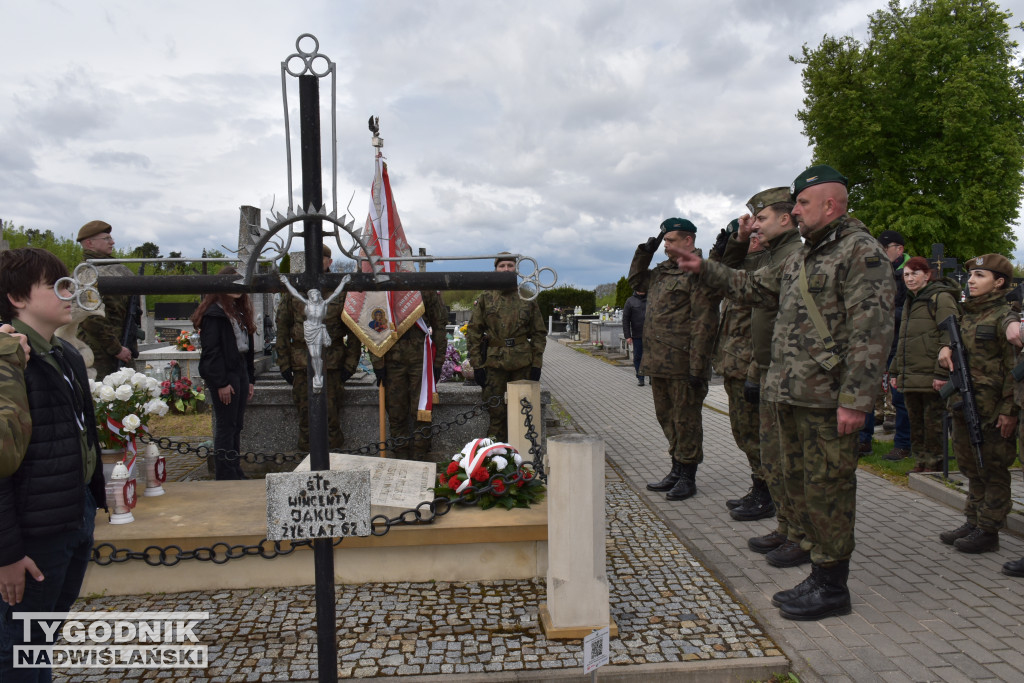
column 424, row 513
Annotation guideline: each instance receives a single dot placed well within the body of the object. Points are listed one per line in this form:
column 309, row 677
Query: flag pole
column 380, row 419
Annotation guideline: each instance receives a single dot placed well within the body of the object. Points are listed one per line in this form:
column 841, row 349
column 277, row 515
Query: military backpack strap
column 819, row 324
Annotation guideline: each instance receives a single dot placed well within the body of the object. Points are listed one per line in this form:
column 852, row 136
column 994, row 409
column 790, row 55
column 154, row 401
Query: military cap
column 504, row 256
column 91, row 229
column 768, row 197
column 327, row 251
column 670, row 224
column 733, row 227
column 998, row 264
column 816, row 175
column 890, row 237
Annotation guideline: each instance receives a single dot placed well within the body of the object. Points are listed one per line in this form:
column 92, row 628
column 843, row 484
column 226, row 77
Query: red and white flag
column 380, row 318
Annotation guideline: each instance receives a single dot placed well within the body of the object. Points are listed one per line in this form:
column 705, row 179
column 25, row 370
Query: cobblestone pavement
column 668, row 606
column 921, row 610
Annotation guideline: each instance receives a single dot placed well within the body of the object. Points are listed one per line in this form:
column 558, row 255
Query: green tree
column 927, row 121
column 566, row 297
column 622, row 292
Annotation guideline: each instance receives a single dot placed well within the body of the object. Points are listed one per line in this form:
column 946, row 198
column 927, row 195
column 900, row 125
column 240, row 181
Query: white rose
column 517, row 459
column 131, row 422
column 106, row 393
column 153, row 383
column 94, row 388
column 139, row 380
column 110, row 380
column 155, row 407
column 123, row 392
column 499, row 462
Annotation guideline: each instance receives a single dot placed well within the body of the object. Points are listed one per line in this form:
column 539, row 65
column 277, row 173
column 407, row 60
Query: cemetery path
column 921, row 610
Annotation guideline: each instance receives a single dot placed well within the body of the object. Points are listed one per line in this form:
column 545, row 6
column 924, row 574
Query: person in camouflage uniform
column 679, row 332
column 831, row 339
column 771, row 218
column 401, row 370
column 104, row 333
column 340, row 360
column 986, row 313
column 732, row 358
column 505, row 338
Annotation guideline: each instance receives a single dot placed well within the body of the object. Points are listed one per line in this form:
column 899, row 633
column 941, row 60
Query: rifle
column 130, row 330
column 960, row 381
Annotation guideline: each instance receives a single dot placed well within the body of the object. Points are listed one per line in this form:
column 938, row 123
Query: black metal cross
column 940, row 263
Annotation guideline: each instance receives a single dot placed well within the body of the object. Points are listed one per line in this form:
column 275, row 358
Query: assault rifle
column 960, row 381
column 130, row 330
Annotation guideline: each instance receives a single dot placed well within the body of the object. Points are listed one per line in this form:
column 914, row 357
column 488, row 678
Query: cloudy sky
column 565, row 130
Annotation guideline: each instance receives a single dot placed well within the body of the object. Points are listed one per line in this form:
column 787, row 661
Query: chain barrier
column 424, row 513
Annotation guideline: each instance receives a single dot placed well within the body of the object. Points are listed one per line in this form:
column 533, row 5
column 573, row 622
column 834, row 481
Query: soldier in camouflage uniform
column 771, row 218
column 831, row 338
column 505, row 338
column 986, row 314
column 732, row 358
column 340, row 360
column 104, row 334
column 679, row 331
column 401, row 371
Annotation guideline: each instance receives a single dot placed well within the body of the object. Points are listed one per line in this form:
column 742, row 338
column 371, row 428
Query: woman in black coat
column 226, row 324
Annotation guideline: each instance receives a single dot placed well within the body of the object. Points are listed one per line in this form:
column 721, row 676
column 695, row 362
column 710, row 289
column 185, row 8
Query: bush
column 567, row 297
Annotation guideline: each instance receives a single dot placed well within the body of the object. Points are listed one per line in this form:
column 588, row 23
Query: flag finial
column 377, row 141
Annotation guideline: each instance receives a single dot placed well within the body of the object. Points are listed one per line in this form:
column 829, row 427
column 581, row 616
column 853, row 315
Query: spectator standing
column 633, row 328
column 226, row 324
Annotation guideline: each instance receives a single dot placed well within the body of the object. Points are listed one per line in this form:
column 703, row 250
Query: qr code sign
column 596, row 649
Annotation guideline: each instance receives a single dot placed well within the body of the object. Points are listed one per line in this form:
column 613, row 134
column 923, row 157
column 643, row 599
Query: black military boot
column 789, row 554
column 782, row 597
column 978, row 541
column 734, row 503
column 1014, row 567
column 767, row 543
column 670, row 479
column 949, row 537
column 760, row 506
column 686, row 486
column 827, row 596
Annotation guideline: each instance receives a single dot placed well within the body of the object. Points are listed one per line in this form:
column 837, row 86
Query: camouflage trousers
column 820, row 471
column 988, row 489
column 924, row 411
column 404, row 365
column 772, row 470
column 497, row 383
column 745, row 422
column 678, row 408
column 335, row 390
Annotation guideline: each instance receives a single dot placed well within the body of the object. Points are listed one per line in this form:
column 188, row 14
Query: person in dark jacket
column 226, row 324
column 50, row 480
column 633, row 328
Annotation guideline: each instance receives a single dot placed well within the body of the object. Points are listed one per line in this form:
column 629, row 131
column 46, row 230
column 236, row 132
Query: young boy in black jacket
column 50, row 478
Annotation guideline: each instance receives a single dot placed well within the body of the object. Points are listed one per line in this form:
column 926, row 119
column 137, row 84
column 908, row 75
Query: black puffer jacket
column 45, row 496
column 633, row 314
column 220, row 360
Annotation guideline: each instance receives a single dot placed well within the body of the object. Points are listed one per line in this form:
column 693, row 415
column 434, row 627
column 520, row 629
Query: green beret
column 998, row 264
column 733, row 227
column 670, row 224
column 504, row 256
column 327, row 251
column 765, row 198
column 816, row 175
column 91, row 229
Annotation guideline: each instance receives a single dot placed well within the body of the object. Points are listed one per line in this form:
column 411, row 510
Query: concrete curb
column 932, row 486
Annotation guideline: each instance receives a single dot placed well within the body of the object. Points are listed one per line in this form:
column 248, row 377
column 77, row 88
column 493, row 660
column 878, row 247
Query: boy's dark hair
column 21, row 270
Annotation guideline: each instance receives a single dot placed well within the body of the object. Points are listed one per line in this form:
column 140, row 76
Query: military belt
column 511, row 341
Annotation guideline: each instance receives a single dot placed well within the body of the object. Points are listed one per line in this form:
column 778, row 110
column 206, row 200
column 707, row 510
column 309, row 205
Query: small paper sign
column 596, row 649
column 323, row 504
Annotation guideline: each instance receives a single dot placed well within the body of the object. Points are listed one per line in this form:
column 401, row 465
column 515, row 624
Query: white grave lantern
column 121, row 495
column 156, row 471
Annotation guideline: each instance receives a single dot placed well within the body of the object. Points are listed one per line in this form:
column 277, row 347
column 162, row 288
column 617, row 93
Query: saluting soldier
column 105, row 334
column 340, row 360
column 505, row 339
column 679, row 330
column 830, row 341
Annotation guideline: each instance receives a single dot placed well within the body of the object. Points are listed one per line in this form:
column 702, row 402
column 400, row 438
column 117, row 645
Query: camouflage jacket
column 989, row 355
column 506, row 329
column 435, row 315
column 104, row 333
column 850, row 282
column 342, row 354
column 681, row 320
column 762, row 318
column 15, row 418
column 733, row 349
column 916, row 362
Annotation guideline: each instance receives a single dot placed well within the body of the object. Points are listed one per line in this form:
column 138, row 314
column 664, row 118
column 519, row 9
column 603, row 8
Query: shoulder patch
column 872, row 261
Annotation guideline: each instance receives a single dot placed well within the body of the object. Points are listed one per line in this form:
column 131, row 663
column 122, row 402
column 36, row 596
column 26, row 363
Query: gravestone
column 321, row 504
column 395, row 485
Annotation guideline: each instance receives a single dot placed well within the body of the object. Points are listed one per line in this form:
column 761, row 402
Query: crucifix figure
column 940, row 263
column 313, row 329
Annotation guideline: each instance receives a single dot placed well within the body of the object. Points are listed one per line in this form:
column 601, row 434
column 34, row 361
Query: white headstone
column 395, row 485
